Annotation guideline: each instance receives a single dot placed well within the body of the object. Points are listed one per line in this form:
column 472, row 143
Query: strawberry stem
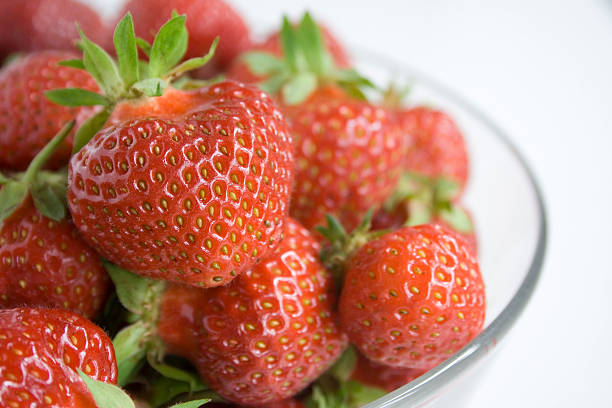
column 45, row 154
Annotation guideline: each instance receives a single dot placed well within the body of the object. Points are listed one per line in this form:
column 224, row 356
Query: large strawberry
column 40, row 353
column 34, row 25
column 266, row 335
column 28, row 120
column 207, row 19
column 412, row 297
column 347, row 151
column 191, row 186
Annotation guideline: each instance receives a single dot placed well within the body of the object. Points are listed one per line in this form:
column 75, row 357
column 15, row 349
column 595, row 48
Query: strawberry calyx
column 128, row 78
column 394, row 96
column 427, row 199
column 48, row 189
column 305, row 66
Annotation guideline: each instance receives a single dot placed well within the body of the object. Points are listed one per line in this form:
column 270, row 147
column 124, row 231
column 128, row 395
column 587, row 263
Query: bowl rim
column 423, row 389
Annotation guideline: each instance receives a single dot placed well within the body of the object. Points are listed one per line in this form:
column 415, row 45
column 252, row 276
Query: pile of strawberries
column 252, row 223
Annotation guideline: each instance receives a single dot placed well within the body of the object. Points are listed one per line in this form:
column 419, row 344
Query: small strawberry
column 35, row 25
column 382, row 376
column 347, row 151
column 241, row 71
column 40, row 353
column 438, row 147
column 266, row 335
column 412, row 297
column 28, row 120
column 207, row 19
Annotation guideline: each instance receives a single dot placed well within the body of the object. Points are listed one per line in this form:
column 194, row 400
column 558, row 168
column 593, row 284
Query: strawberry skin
column 206, row 19
column 413, row 297
column 193, row 197
column 347, row 155
column 34, row 25
column 270, row 332
column 438, row 148
column 45, row 263
column 28, row 120
column 40, row 350
column 379, row 375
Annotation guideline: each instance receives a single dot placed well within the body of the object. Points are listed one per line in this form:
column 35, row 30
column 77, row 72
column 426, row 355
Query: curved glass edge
column 424, row 388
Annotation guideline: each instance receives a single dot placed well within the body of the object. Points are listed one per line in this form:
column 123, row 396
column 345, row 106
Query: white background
column 543, row 70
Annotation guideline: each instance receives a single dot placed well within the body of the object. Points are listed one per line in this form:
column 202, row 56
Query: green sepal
column 191, row 404
column 106, row 395
column 334, row 232
column 274, row 83
column 127, row 51
column 263, row 63
column 175, row 373
column 169, row 47
column 186, row 83
column 12, row 194
column 343, row 368
column 151, row 86
column 4, row 179
column 91, row 126
column 73, row 63
column 48, row 202
column 130, row 350
column 144, row 46
column 164, row 390
column 299, row 87
column 75, row 97
column 457, row 218
column 133, row 290
column 193, row 63
column 289, row 41
column 311, row 43
column 102, row 67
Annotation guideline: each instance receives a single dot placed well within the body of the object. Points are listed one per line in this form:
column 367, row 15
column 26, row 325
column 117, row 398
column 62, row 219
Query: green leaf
column 273, row 84
column 151, row 86
column 75, row 97
column 299, row 87
column 74, row 63
column 48, row 203
column 263, row 63
column 311, row 43
column 91, row 126
column 130, row 350
column 132, row 289
column 194, row 63
column 106, row 395
column 458, row 219
column 175, row 373
column 12, row 195
column 169, row 47
column 144, row 46
column 289, row 43
column 360, row 394
column 191, row 404
column 127, row 50
column 445, row 189
column 102, row 67
column 343, row 369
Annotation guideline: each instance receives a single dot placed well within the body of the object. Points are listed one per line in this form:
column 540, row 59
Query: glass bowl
column 510, row 221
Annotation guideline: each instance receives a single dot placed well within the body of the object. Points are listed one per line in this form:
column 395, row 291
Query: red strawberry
column 196, row 195
column 382, row 376
column 33, row 25
column 438, row 148
column 44, row 263
column 412, row 297
column 28, row 120
column 270, row 332
column 290, row 403
column 206, row 19
column 40, row 351
column 240, row 71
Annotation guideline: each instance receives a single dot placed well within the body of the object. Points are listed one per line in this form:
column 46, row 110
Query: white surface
column 543, row 70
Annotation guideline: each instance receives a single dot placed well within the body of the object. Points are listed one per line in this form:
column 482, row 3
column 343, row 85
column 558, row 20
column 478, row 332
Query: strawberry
column 240, row 70
column 34, row 25
column 412, row 297
column 266, row 335
column 207, row 19
column 438, row 147
column 40, row 353
column 347, row 151
column 28, row 120
column 45, row 263
column 382, row 376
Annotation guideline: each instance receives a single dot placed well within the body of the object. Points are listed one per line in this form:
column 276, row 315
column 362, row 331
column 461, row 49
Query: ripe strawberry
column 195, row 196
column 40, row 351
column 382, row 376
column 438, row 148
column 412, row 297
column 28, row 120
column 44, row 263
column 34, row 25
column 207, row 19
column 269, row 333
column 240, row 70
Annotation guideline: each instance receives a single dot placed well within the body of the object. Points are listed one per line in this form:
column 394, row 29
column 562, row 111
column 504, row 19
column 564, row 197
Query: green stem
column 43, row 156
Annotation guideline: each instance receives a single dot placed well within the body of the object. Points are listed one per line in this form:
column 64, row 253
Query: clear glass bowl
column 510, row 219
